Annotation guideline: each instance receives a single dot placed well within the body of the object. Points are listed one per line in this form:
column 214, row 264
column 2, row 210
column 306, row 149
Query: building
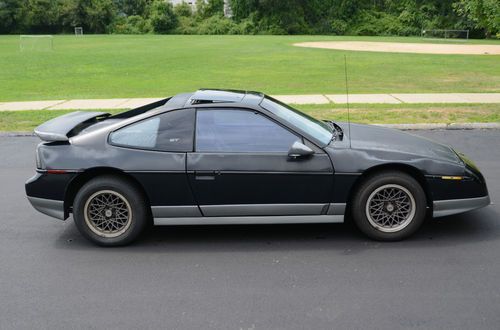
column 192, row 3
column 227, row 7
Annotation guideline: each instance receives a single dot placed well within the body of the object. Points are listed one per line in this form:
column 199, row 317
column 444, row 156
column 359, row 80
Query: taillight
column 37, row 158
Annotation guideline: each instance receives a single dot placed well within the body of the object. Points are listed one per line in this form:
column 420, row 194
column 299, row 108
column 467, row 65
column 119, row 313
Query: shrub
column 183, row 10
column 134, row 24
column 162, row 16
column 338, row 27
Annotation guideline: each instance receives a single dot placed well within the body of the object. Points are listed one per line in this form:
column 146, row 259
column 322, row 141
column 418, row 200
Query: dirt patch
column 397, row 47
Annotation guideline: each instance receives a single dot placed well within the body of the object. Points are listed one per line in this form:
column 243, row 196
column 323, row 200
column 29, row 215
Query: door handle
column 204, row 175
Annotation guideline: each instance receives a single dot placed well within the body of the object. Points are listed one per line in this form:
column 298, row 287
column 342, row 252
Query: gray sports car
column 236, row 157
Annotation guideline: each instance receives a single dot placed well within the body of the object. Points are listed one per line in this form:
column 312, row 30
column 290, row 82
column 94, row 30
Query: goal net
column 446, row 34
column 78, row 31
column 36, row 43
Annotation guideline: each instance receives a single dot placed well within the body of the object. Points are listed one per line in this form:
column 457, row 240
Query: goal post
column 78, row 31
column 445, row 34
column 36, row 42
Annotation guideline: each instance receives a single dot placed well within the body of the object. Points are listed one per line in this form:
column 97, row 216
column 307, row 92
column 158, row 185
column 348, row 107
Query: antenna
column 347, row 101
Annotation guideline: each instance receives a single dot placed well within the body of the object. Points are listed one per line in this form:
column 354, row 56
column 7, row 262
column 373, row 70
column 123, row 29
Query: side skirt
column 249, row 220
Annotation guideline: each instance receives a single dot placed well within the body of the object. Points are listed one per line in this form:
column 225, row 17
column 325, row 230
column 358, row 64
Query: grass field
column 114, row 66
column 368, row 113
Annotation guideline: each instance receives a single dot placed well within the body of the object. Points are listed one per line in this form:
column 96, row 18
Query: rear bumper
column 50, row 207
column 453, row 206
column 46, row 192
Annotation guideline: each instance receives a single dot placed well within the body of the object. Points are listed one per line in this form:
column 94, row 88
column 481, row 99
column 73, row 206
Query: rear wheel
column 110, row 211
column 389, row 206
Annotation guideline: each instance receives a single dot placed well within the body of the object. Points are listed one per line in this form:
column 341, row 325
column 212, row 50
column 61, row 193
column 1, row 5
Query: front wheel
column 110, row 211
column 389, row 206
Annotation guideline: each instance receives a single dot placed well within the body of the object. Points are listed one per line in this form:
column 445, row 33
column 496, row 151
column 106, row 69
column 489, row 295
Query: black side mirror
column 299, row 150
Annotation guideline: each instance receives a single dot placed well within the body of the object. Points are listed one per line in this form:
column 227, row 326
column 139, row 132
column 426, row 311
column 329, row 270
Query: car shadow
column 469, row 228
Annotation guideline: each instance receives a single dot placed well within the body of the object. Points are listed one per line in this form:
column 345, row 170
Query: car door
column 240, row 167
column 153, row 151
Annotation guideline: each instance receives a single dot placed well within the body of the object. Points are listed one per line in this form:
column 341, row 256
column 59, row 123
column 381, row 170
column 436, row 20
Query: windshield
column 317, row 129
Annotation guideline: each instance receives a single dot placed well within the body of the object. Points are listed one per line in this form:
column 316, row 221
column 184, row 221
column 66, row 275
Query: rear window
column 170, row 131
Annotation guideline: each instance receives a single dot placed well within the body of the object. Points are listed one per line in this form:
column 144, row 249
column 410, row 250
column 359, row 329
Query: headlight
column 467, row 161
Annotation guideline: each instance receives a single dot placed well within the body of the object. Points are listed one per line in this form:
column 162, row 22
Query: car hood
column 372, row 137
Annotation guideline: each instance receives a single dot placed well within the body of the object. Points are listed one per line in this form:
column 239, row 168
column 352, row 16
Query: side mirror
column 299, row 150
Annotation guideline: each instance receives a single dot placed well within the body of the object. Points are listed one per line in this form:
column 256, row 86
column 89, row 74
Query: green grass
column 368, row 113
column 109, row 66
column 24, row 121
column 407, row 113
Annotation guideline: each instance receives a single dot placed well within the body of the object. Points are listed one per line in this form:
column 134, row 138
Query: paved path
column 295, row 99
column 404, row 47
column 290, row 277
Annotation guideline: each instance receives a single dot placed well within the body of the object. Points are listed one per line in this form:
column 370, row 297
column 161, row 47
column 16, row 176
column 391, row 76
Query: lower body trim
column 181, row 211
column 50, row 207
column 249, row 220
column 454, row 206
column 263, row 209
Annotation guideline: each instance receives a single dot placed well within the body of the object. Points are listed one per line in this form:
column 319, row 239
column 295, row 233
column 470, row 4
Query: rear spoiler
column 60, row 128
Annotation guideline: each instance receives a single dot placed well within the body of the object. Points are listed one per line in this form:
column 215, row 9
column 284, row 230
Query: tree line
column 335, row 17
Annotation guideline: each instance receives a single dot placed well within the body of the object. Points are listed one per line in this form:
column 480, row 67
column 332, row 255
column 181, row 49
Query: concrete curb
column 404, row 127
column 393, row 98
column 15, row 134
column 442, row 126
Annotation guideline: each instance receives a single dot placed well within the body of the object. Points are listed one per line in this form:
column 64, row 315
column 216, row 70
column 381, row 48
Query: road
column 250, row 277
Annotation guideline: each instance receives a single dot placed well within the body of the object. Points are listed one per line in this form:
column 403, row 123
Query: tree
column 183, row 10
column 162, row 16
column 10, row 14
column 40, row 16
column 93, row 15
column 484, row 14
column 132, row 7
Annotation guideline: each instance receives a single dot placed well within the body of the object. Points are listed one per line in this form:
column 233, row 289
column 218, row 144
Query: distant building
column 228, row 12
column 192, row 3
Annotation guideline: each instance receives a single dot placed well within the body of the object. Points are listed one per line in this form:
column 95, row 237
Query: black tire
column 371, row 219
column 128, row 211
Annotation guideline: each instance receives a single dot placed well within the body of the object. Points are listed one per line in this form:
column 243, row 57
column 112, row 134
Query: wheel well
column 90, row 174
column 407, row 169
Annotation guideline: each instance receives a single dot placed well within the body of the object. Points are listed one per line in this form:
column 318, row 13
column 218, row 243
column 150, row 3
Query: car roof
column 206, row 96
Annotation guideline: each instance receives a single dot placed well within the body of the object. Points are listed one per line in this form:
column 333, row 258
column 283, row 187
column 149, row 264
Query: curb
column 404, row 127
column 15, row 134
column 443, row 126
column 388, row 98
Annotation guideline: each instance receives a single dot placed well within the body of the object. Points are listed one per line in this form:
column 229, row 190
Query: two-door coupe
column 236, row 157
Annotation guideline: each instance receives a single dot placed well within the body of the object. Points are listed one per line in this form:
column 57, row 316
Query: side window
column 240, row 131
column 171, row 131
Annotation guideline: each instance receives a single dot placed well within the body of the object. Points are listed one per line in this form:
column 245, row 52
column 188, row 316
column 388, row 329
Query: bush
column 212, row 25
column 183, row 10
column 338, row 27
column 186, row 25
column 134, row 24
column 373, row 23
column 162, row 16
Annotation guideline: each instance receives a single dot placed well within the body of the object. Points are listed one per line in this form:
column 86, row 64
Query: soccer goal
column 78, row 31
column 36, row 43
column 459, row 35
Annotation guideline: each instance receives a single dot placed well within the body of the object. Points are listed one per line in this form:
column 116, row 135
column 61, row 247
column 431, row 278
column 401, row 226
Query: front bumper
column 453, row 206
column 50, row 207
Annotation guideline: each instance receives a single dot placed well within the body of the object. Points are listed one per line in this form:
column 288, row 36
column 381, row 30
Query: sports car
column 238, row 157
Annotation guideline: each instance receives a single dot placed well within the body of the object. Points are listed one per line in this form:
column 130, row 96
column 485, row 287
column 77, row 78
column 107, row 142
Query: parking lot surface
column 250, row 277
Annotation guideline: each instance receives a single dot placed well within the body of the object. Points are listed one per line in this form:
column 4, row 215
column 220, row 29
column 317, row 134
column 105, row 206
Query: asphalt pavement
column 250, row 277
